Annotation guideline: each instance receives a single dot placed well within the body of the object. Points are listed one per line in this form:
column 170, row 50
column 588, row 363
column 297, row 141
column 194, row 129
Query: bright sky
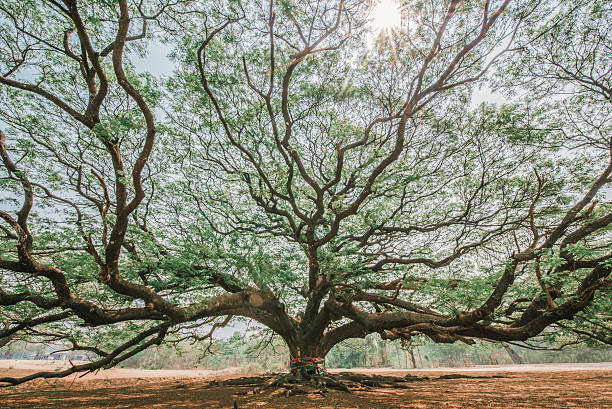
column 386, row 16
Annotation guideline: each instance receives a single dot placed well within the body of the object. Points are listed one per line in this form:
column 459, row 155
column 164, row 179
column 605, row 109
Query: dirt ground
column 540, row 386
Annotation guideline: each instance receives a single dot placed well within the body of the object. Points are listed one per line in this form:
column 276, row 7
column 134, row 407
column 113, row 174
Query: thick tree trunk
column 307, row 358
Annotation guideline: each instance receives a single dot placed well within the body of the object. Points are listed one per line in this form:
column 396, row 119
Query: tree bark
column 5, row 341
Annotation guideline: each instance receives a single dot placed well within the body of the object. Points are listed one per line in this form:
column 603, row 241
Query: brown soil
column 583, row 389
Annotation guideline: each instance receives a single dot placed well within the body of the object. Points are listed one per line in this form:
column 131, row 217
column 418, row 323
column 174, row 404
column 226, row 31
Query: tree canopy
column 303, row 169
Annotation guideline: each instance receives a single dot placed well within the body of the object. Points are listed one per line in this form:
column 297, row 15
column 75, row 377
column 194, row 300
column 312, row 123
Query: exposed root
column 460, row 376
column 288, row 384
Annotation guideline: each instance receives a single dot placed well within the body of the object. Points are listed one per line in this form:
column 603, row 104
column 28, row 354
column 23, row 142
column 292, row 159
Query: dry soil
column 587, row 386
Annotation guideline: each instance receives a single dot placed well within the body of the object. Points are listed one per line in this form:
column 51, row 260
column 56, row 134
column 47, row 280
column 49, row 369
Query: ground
column 584, row 386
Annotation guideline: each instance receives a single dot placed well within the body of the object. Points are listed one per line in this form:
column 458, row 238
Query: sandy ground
column 24, row 367
column 599, row 366
column 575, row 386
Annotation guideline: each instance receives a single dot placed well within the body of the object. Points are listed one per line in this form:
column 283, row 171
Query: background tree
column 321, row 181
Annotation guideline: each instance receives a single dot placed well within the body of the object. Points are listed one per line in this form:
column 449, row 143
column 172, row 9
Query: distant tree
column 516, row 358
column 299, row 171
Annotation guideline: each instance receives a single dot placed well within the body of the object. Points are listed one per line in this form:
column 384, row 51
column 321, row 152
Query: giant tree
column 299, row 169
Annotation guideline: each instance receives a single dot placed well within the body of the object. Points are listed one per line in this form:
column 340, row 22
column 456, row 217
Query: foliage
column 293, row 172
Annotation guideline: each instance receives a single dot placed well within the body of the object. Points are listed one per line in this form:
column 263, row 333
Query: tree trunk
column 307, row 359
column 513, row 355
column 411, row 352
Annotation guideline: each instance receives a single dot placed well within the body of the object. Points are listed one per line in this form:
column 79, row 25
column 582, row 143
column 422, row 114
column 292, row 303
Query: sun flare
column 385, row 17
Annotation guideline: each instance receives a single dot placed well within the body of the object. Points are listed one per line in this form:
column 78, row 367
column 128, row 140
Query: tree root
column 290, row 385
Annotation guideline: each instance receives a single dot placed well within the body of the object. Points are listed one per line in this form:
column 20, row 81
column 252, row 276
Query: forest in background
column 254, row 354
